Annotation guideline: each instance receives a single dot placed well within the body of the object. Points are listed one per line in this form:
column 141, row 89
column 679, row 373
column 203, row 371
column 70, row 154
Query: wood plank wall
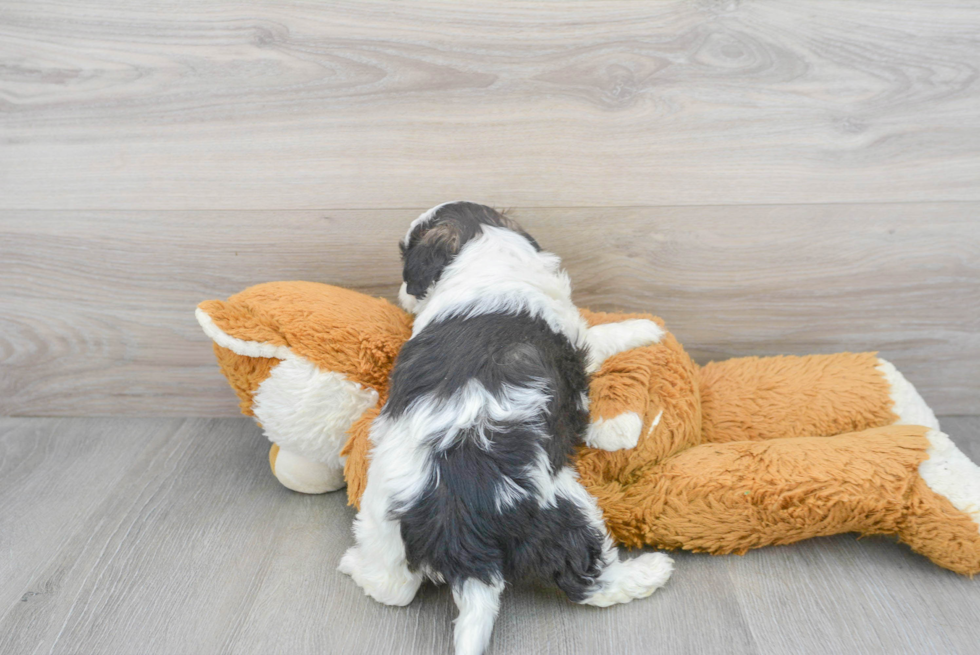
column 770, row 177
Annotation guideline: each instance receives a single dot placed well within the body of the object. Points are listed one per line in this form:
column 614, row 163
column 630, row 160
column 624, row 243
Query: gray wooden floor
column 170, row 536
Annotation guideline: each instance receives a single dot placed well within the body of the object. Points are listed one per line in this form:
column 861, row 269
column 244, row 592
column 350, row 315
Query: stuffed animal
column 722, row 458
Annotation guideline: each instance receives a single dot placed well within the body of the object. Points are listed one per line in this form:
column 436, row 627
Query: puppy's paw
column 648, row 572
column 349, row 562
column 394, row 585
column 640, row 332
column 626, row 580
column 615, row 433
column 611, row 338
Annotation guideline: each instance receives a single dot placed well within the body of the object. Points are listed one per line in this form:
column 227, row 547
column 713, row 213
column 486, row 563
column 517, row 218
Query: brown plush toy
column 722, row 458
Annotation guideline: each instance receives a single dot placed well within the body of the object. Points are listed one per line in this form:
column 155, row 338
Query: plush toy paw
column 615, row 433
column 610, row 338
column 304, row 475
column 389, row 585
column 943, row 521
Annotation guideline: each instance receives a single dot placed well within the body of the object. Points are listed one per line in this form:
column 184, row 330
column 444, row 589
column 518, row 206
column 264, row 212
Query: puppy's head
column 435, row 239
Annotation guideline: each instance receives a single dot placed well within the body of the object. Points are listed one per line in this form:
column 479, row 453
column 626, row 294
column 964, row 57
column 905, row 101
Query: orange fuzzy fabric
column 244, row 374
column 730, row 497
column 778, row 397
column 747, row 453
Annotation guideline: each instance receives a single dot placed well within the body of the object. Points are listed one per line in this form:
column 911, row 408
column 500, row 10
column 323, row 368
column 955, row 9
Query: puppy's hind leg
column 616, row 581
column 377, row 562
column 478, row 604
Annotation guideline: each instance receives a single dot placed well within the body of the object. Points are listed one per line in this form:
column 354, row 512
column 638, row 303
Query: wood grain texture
column 183, row 542
column 297, row 105
column 98, row 306
column 51, row 485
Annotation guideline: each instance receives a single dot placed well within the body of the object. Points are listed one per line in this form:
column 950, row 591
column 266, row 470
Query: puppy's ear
column 425, row 261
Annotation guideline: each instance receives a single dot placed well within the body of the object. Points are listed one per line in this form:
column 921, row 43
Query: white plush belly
column 308, row 411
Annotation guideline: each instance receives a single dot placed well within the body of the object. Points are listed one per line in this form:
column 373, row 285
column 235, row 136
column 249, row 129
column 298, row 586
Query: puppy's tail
column 478, row 603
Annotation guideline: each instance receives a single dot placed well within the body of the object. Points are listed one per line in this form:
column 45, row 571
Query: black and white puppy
column 470, row 481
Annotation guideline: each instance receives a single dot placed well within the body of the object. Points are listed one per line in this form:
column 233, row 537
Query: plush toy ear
column 235, row 327
column 246, row 350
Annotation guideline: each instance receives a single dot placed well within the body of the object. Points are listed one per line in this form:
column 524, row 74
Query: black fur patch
column 455, row 527
column 434, row 244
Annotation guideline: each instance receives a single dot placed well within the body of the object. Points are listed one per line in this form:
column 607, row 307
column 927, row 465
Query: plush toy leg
column 944, row 508
column 304, row 475
column 645, row 406
column 618, row 404
column 755, row 398
column 727, row 498
column 357, row 452
column 621, row 428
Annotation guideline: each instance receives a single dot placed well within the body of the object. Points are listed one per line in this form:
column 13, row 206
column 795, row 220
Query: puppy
column 470, row 482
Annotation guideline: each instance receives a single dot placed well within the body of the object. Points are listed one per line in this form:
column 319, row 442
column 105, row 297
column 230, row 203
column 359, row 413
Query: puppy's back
column 501, row 398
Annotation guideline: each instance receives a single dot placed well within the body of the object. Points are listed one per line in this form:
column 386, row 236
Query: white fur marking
column 472, row 408
column 508, row 493
column 407, row 300
column 951, row 474
column 619, row 432
column 545, row 484
column 906, row 401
